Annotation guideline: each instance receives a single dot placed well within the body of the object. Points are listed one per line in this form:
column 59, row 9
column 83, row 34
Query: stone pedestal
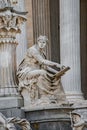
column 70, row 47
column 52, row 118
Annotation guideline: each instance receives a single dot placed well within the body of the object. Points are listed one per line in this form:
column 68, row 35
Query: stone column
column 70, row 47
column 8, row 84
column 41, row 20
column 21, row 38
column 10, row 21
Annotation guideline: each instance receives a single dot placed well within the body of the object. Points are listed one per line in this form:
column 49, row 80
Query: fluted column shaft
column 8, row 85
column 70, row 47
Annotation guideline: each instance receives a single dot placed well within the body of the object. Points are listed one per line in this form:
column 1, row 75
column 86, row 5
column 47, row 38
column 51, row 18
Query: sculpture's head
column 42, row 41
column 76, row 118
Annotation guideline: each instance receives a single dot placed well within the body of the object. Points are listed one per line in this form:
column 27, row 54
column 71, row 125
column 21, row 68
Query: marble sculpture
column 39, row 81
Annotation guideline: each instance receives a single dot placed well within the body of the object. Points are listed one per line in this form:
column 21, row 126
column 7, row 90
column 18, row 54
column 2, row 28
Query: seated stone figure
column 39, row 82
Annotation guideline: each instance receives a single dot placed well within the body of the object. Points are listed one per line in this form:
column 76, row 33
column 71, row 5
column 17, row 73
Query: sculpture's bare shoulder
column 32, row 50
column 34, row 53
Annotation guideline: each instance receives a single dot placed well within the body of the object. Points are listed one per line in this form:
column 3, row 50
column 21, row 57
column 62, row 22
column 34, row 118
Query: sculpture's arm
column 51, row 70
column 43, row 61
column 51, row 63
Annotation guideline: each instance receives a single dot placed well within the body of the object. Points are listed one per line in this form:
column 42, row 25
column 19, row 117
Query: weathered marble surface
column 39, row 82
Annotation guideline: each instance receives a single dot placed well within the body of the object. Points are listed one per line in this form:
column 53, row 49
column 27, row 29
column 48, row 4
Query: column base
column 73, row 97
column 11, row 102
column 9, row 91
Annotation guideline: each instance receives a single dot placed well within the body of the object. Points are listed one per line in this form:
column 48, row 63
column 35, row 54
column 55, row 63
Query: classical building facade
column 64, row 22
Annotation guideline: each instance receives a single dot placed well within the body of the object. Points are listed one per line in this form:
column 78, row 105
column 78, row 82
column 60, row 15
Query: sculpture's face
column 42, row 43
column 76, row 118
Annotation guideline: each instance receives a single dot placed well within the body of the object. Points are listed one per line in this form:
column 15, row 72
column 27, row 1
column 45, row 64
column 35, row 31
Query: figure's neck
column 39, row 49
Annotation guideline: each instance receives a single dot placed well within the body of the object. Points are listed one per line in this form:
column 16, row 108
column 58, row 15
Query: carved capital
column 11, row 22
column 10, row 25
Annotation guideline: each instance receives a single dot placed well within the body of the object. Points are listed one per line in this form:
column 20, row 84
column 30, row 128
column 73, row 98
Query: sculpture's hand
column 59, row 66
column 63, row 67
